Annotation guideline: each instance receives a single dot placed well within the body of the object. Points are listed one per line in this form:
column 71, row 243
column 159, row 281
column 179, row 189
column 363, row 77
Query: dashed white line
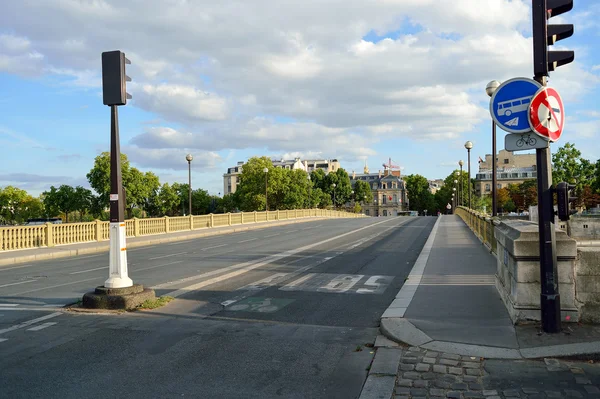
column 251, row 239
column 154, row 267
column 272, row 235
column 30, row 322
column 41, row 326
column 20, row 282
column 90, row 270
column 3, row 339
column 80, row 257
column 216, row 246
column 167, row 256
column 14, row 267
column 8, row 304
column 180, row 242
column 59, row 285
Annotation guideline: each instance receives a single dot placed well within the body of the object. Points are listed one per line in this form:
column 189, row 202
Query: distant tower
column 366, row 170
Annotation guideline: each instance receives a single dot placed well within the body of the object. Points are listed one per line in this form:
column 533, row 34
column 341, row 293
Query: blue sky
column 320, row 79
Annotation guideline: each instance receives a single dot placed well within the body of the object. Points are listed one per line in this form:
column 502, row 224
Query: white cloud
column 168, row 158
column 182, row 102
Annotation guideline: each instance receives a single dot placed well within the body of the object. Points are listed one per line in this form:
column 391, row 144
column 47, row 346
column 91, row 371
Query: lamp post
column 468, row 146
column 333, row 185
column 309, row 191
column 453, row 200
column 189, row 158
column 490, row 89
column 461, row 189
column 266, row 170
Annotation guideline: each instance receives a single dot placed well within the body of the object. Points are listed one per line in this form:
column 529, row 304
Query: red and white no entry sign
column 547, row 114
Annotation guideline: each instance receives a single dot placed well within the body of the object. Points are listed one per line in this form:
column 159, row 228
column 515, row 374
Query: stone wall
column 587, row 283
column 518, row 271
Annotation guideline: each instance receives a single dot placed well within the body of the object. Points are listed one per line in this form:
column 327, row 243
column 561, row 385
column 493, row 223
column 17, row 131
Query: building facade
column 231, row 178
column 389, row 192
column 511, row 169
column 435, row 185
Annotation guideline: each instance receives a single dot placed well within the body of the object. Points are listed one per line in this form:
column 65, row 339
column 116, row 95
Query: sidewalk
column 450, row 304
column 8, row 258
column 448, row 334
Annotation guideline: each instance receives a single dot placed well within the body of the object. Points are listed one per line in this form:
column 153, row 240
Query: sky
column 352, row 80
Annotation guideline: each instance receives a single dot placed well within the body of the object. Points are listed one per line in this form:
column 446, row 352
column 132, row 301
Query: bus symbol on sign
column 510, row 103
column 507, row 108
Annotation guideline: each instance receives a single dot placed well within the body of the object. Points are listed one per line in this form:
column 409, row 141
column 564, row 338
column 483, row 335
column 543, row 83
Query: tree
column 138, row 188
column 227, row 204
column 12, row 204
column 570, row 167
column 419, row 196
column 343, row 187
column 201, row 202
column 61, row 200
column 83, row 201
column 596, row 181
column 362, row 191
column 250, row 193
column 503, row 197
column 99, row 175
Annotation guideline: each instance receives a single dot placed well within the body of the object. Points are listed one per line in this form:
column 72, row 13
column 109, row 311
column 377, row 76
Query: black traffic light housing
column 564, row 199
column 544, row 35
column 114, row 79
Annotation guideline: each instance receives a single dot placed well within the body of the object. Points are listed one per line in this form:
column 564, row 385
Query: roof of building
column 510, row 170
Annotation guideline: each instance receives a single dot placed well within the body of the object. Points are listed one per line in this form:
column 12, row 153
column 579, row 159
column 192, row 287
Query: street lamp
column 266, row 170
column 468, row 146
column 490, row 89
column 461, row 191
column 309, row 191
column 189, row 158
column 333, row 185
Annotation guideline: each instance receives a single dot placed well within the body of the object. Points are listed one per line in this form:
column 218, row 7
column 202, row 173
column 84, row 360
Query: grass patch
column 155, row 303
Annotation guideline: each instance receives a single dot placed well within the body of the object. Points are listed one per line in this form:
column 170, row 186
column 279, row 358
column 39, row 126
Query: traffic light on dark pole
column 114, row 78
column 564, row 199
column 545, row 35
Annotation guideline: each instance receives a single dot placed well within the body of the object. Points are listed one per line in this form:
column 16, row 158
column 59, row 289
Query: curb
column 161, row 239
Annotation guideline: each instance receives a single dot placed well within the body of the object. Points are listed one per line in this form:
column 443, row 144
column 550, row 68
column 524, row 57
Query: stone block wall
column 518, row 271
column 587, row 283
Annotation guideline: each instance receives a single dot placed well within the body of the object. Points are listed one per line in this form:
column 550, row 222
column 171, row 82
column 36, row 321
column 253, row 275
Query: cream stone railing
column 49, row 235
column 482, row 225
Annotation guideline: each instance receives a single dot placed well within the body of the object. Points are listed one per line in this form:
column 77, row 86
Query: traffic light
column 545, row 35
column 563, row 193
column 114, row 79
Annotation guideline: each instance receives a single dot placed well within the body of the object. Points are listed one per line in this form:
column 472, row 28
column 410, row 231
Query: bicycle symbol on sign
column 526, row 139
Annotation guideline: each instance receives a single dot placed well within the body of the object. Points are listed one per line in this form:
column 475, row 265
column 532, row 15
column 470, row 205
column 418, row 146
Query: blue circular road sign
column 509, row 105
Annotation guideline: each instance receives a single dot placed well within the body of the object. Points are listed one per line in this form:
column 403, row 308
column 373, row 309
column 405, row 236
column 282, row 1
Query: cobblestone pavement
column 429, row 374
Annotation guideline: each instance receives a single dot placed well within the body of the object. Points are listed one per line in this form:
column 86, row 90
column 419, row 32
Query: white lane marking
column 245, row 267
column 272, row 235
column 180, row 242
column 307, row 228
column 154, row 267
column 229, row 302
column 14, row 267
column 91, row 270
column 298, row 281
column 30, row 322
column 61, row 305
column 167, row 256
column 251, row 239
column 20, row 282
column 405, row 296
column 291, row 231
column 80, row 257
column 41, row 326
column 9, row 304
column 3, row 339
column 342, row 283
column 59, row 285
column 139, row 249
column 216, row 246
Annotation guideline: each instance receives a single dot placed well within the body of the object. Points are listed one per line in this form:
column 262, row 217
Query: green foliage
column 419, row 196
column 570, row 167
column 63, row 200
column 155, row 303
column 362, row 191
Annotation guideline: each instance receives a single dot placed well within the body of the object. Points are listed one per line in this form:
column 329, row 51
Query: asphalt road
column 281, row 312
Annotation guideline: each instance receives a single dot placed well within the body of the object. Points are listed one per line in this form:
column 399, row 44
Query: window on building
column 503, row 175
column 487, row 187
column 374, row 186
column 367, row 212
column 384, row 185
column 505, row 160
column 384, row 200
column 515, row 175
column 534, row 174
column 384, row 212
column 395, row 198
column 524, row 174
column 499, row 185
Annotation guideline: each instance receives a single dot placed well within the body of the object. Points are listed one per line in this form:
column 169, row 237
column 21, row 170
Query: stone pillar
column 518, row 271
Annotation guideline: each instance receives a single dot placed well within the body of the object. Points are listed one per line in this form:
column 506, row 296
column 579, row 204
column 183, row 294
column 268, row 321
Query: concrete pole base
column 117, row 298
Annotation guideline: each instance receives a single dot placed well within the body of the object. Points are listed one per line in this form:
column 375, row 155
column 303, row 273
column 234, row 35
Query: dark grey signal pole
column 490, row 89
column 114, row 94
column 543, row 62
